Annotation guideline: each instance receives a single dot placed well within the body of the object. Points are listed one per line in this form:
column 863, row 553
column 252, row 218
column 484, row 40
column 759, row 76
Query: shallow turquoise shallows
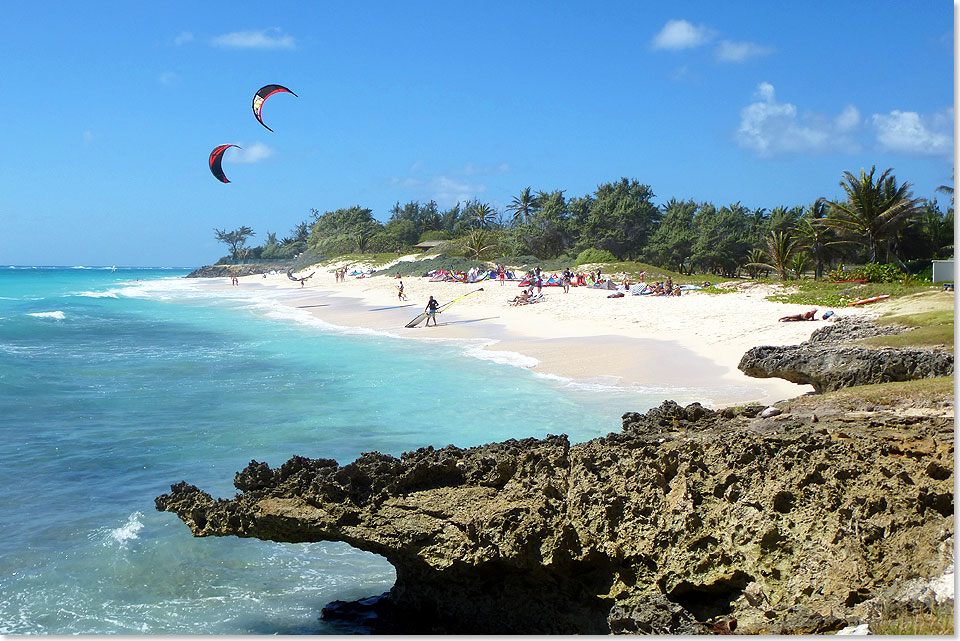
column 115, row 383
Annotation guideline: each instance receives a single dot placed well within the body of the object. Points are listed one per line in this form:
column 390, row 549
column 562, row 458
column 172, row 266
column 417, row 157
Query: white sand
column 695, row 340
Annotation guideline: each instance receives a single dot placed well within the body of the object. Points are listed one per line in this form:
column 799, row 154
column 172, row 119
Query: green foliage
column 829, row 294
column 722, row 238
column 872, row 272
column 874, row 213
column 422, row 267
column 621, row 218
column 435, row 234
column 235, row 239
column 590, row 256
column 672, row 242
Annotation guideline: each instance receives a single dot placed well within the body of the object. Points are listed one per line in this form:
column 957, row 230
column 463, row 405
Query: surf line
column 419, row 319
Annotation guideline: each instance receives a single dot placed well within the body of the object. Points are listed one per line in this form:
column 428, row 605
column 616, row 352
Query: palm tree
column 477, row 242
column 817, row 239
column 874, row 213
column 361, row 240
column 777, row 254
column 483, row 214
column 522, row 206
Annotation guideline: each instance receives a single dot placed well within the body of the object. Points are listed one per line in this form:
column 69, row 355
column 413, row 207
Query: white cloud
column 912, row 133
column 681, row 34
column 250, row 153
column 168, row 78
column 262, row 39
column 729, row 51
column 446, row 191
column 770, row 127
column 183, row 38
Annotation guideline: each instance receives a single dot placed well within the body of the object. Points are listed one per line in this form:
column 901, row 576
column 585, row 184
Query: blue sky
column 113, row 107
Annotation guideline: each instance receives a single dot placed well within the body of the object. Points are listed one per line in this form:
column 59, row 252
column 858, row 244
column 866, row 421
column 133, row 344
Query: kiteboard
column 870, row 300
column 416, row 321
column 419, row 319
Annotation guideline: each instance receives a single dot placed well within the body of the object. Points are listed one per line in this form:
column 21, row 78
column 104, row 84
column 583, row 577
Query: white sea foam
column 129, row 531
column 112, row 293
column 57, row 315
column 515, row 359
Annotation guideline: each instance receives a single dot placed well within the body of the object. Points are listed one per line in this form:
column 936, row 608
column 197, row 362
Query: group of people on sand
column 340, row 275
column 665, row 288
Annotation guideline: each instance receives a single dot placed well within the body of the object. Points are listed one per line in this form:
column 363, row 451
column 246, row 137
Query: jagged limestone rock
column 686, row 519
column 828, row 362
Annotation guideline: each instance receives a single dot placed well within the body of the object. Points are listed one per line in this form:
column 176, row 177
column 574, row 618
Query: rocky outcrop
column 226, row 271
column 687, row 521
column 828, row 362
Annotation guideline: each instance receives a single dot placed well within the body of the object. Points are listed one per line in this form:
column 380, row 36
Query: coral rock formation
column 826, row 363
column 687, row 521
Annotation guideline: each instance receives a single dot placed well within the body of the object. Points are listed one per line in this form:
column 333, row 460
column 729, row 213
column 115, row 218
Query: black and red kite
column 263, row 94
column 216, row 157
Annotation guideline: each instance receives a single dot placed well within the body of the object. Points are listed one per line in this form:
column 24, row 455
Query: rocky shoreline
column 226, row 271
column 807, row 518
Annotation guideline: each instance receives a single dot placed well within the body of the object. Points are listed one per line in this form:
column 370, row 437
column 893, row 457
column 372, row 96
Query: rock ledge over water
column 687, row 521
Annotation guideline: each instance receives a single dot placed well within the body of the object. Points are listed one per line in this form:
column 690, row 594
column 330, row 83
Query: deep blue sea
column 115, row 383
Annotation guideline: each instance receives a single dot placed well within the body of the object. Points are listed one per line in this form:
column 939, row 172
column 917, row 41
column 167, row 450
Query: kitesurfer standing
column 431, row 311
column 400, row 294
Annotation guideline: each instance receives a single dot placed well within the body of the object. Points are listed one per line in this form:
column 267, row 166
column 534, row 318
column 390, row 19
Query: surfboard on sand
column 872, row 299
column 416, row 321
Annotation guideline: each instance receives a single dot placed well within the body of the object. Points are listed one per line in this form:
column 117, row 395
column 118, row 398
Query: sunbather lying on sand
column 522, row 297
column 811, row 315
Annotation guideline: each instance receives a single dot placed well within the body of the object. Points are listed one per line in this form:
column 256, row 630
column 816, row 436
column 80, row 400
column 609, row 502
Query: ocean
column 116, row 383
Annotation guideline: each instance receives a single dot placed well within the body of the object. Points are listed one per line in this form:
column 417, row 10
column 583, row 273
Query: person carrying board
column 431, row 311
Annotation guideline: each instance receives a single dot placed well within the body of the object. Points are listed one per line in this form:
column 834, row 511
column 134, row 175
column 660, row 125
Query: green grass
column 930, row 391
column 829, row 294
column 937, row 621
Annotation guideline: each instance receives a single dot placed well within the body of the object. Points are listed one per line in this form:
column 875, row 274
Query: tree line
column 878, row 221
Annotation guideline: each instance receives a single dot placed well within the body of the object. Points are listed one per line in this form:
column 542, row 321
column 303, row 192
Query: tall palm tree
column 874, row 212
column 817, row 239
column 777, row 253
column 483, row 214
column 522, row 206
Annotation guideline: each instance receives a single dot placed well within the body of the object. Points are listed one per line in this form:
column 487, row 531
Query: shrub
column 421, row 267
column 871, row 272
column 434, row 235
column 592, row 255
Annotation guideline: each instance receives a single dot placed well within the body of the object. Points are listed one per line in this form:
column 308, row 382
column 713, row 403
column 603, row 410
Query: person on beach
column 400, row 294
column 502, row 272
column 431, row 310
column 806, row 316
column 565, row 280
column 522, row 297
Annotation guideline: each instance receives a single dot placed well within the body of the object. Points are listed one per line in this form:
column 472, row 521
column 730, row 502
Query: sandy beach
column 695, row 340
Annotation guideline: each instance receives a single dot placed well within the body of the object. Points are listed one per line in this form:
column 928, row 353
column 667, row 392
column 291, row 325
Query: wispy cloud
column 445, row 190
column 183, row 38
column 729, row 51
column 681, row 34
column 913, row 133
column 249, row 153
column 770, row 127
column 263, row 39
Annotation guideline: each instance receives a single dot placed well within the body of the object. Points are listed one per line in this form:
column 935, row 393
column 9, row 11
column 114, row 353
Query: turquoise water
column 116, row 383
